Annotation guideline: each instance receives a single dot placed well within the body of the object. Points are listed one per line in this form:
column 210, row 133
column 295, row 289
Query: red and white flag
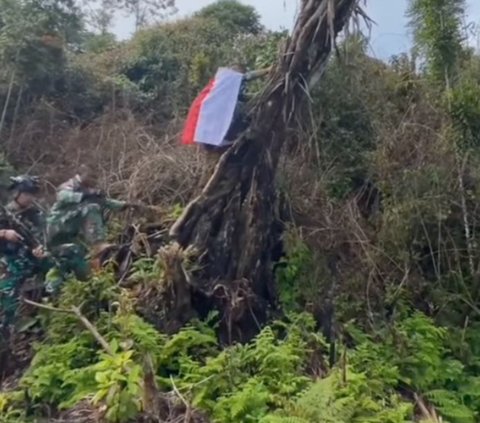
column 211, row 113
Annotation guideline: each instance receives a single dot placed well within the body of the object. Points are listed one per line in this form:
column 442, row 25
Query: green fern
column 449, row 405
column 11, row 410
column 247, row 404
column 49, row 378
column 199, row 341
column 138, row 334
column 147, row 271
column 332, row 400
column 265, row 380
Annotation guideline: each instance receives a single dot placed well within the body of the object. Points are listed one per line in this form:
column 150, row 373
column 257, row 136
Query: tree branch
column 76, row 311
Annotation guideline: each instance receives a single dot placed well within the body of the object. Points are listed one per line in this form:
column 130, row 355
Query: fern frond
column 449, row 405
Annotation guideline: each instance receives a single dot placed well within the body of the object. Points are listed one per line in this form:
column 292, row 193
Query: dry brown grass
column 133, row 160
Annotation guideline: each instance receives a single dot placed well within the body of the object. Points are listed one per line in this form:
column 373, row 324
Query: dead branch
column 76, row 312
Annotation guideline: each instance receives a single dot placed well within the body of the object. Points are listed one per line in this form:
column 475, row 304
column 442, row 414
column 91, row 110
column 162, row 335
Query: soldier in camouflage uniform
column 62, row 260
column 77, row 214
column 77, row 218
column 19, row 261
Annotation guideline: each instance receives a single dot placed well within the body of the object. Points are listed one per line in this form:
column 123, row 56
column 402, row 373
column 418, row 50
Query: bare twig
column 188, row 408
column 76, row 311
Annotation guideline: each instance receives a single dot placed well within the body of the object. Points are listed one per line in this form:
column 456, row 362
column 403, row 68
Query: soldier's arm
column 10, row 235
column 255, row 74
column 112, row 204
column 68, row 197
column 248, row 77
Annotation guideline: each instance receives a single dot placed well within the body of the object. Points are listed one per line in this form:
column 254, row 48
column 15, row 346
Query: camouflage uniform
column 17, row 261
column 17, row 266
column 33, row 218
column 75, row 217
column 74, row 222
column 69, row 259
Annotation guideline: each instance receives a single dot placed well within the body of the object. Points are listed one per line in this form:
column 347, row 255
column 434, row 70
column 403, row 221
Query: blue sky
column 389, row 36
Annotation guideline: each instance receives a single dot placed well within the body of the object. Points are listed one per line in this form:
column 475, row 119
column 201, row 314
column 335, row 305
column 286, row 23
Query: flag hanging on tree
column 211, row 113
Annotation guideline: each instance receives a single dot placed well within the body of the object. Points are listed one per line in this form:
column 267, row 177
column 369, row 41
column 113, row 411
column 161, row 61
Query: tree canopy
column 235, row 16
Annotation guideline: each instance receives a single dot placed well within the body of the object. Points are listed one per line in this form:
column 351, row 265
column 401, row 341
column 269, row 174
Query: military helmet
column 25, row 183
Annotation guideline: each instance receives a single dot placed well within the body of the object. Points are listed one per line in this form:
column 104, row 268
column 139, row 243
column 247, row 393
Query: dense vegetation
column 379, row 306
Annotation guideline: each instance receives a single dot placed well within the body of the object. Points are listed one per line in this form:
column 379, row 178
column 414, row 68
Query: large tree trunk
column 233, row 223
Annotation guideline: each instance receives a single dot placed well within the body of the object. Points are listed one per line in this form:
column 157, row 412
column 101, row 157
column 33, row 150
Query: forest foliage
column 378, row 287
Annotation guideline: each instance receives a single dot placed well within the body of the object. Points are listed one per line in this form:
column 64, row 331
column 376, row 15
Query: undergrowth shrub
column 302, row 275
column 11, row 407
column 344, row 397
column 239, row 383
column 119, row 385
column 293, row 272
column 280, row 376
column 415, row 355
column 243, row 382
column 49, row 379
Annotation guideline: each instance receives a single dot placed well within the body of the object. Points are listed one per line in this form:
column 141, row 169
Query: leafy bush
column 344, row 397
column 267, row 380
column 119, row 385
column 49, row 379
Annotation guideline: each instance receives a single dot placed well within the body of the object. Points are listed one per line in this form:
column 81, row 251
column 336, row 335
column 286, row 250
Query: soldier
column 75, row 223
column 77, row 214
column 76, row 219
column 19, row 260
column 67, row 258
